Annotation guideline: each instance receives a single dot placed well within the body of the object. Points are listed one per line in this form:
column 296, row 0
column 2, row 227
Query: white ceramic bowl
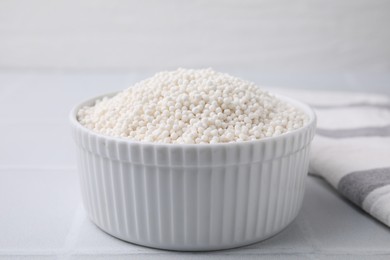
column 193, row 196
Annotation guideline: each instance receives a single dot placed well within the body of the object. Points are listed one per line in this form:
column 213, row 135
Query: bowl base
column 200, row 248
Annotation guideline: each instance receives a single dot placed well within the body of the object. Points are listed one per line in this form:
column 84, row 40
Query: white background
column 307, row 43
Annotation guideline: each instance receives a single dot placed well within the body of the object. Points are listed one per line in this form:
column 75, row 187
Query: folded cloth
column 351, row 149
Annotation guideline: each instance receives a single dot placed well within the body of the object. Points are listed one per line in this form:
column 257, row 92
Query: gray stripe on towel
column 357, row 185
column 382, row 131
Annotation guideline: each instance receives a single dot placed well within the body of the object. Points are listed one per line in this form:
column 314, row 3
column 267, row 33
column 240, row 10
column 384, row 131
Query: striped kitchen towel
column 351, row 149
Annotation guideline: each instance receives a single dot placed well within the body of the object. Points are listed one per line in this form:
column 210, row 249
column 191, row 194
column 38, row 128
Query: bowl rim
column 296, row 103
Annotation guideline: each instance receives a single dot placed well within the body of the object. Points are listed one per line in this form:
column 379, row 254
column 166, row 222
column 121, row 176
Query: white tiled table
column 41, row 215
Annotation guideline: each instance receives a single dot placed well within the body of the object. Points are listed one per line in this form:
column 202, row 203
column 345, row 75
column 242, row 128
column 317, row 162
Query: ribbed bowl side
column 189, row 197
column 193, row 197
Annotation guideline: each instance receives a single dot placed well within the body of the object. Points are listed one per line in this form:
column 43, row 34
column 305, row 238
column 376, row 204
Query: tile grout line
column 36, row 121
column 244, row 252
column 37, row 167
column 229, row 252
column 307, row 235
column 73, row 234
